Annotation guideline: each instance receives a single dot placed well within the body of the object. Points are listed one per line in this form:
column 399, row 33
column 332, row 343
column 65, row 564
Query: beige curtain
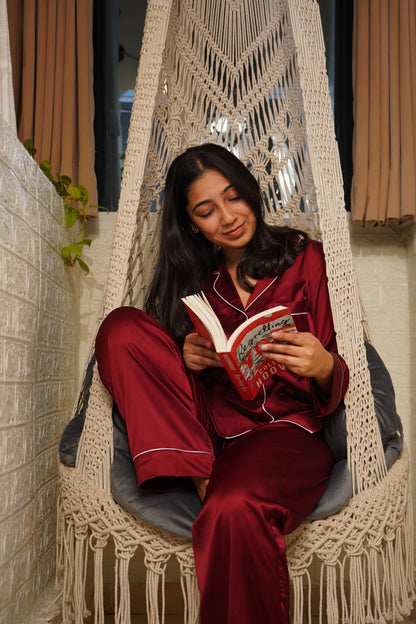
column 384, row 85
column 52, row 57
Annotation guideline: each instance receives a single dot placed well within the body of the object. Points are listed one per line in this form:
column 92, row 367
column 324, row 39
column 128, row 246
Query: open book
column 241, row 354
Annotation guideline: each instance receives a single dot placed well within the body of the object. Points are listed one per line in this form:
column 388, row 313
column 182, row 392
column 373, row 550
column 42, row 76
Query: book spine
column 231, row 366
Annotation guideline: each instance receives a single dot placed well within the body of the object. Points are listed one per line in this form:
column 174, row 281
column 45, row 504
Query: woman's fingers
column 300, row 352
column 198, row 353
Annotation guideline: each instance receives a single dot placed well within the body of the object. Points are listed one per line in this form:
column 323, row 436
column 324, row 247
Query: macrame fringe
column 155, row 587
column 80, row 567
column 367, row 577
column 379, row 586
column 122, row 586
column 190, row 592
column 332, row 609
column 98, row 549
column 298, row 601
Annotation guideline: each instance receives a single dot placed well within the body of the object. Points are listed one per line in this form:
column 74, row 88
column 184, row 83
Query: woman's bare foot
column 201, row 486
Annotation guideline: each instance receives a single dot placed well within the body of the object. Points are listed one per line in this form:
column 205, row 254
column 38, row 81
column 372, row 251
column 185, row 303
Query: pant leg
column 262, row 487
column 142, row 367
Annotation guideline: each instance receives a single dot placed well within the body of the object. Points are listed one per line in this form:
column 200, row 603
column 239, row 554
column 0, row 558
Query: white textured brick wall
column 38, row 375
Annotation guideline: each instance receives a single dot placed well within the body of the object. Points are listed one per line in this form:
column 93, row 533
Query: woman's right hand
column 198, row 353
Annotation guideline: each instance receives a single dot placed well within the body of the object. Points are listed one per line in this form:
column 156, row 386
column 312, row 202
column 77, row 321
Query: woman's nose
column 227, row 215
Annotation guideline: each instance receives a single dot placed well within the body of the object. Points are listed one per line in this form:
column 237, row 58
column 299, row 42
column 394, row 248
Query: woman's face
column 223, row 217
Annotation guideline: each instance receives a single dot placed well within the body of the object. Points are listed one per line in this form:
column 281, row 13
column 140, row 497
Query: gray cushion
column 175, row 511
column 389, row 422
column 339, row 489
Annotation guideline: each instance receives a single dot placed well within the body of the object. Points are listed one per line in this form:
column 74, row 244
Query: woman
column 260, row 465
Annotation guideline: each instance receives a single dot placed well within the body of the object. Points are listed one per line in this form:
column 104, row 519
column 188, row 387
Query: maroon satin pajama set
column 266, row 461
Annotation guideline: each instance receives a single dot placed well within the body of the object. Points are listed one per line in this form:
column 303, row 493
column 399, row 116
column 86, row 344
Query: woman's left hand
column 303, row 354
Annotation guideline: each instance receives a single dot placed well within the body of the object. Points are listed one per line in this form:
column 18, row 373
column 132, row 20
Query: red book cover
column 241, row 353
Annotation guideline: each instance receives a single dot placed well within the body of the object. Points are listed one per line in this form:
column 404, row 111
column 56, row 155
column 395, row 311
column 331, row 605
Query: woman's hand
column 303, row 354
column 198, row 353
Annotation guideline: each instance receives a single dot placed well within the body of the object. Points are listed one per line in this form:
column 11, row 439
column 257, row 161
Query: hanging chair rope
column 365, row 451
column 95, row 448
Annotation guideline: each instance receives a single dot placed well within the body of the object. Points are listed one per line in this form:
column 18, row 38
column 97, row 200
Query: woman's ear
column 194, row 229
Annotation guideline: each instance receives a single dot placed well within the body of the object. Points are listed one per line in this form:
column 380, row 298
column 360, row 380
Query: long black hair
column 186, row 259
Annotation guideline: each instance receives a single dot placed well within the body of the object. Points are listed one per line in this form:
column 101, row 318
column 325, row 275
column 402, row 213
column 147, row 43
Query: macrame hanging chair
column 249, row 75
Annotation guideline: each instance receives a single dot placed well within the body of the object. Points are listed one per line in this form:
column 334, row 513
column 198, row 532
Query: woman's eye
column 235, row 198
column 205, row 214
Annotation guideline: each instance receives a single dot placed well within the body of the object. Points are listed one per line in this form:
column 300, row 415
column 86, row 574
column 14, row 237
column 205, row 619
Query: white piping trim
column 225, row 300
column 263, row 291
column 274, row 422
column 237, row 435
column 243, row 311
column 172, row 449
column 292, row 422
column 263, row 405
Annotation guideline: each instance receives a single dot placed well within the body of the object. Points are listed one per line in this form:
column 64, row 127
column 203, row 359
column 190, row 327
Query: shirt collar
column 224, row 285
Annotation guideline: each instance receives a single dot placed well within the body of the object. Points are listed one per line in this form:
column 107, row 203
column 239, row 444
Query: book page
column 201, row 311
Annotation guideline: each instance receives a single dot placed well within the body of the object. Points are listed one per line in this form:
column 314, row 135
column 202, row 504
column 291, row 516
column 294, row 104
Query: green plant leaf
column 74, row 248
column 28, row 144
column 66, row 180
column 72, row 195
column 84, row 266
column 71, row 216
column 79, row 193
column 45, row 165
column 62, row 192
column 75, row 192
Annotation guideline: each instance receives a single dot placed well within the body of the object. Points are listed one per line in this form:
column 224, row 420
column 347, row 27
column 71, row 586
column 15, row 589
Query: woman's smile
column 235, row 233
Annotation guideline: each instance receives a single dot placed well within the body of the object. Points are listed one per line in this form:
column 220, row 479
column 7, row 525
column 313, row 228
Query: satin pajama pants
column 262, row 484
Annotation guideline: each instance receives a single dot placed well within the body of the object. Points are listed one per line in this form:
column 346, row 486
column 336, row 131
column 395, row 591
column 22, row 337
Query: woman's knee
column 117, row 330
column 231, row 507
column 129, row 332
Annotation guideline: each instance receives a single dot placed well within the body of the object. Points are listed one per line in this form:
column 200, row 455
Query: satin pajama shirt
column 266, row 461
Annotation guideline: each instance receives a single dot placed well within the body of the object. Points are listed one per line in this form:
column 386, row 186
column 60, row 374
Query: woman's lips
column 235, row 232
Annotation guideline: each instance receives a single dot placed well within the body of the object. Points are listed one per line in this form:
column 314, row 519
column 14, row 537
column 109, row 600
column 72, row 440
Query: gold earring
column 194, row 229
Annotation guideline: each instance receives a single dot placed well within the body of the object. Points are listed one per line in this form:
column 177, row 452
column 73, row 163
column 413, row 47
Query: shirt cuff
column 325, row 404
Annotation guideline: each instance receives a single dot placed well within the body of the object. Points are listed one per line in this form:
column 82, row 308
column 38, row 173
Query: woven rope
column 365, row 450
column 250, row 75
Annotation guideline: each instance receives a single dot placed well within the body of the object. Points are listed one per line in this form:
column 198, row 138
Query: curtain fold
column 52, row 57
column 384, row 85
